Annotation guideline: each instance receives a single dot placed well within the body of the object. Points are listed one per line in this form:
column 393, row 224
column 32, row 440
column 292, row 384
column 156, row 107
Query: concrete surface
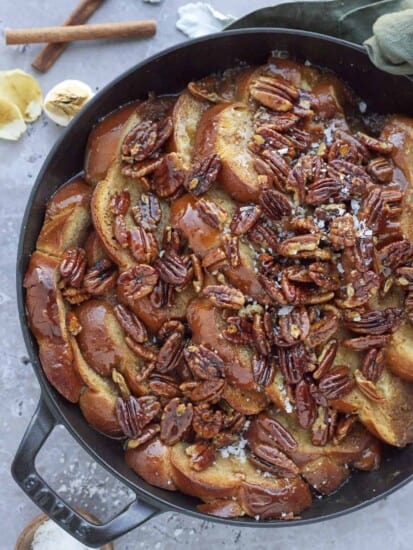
column 381, row 526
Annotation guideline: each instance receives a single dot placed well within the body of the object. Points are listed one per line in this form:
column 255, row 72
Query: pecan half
column 203, row 362
column 207, row 390
column 374, row 322
column 278, row 121
column 277, row 433
column 120, row 203
column 198, row 280
column 176, row 420
column 203, row 174
column 276, row 457
column 342, row 232
column 367, row 387
column 322, row 330
column 162, row 295
column 376, row 145
column 206, row 89
column 168, row 176
column 238, row 331
column 295, row 326
column 138, row 281
column 147, row 212
column 75, row 296
column 323, row 191
column 135, row 413
column 292, row 362
column 100, row 277
column 345, row 150
column 214, row 260
column 169, row 327
column 206, row 422
column 322, row 430
column 224, row 296
column 275, row 93
column 201, row 455
column 325, row 359
column 305, row 405
column 404, row 277
column 294, row 245
column 143, row 245
column 373, row 364
column 231, row 247
column 171, row 353
column 145, row 139
column 381, row 169
column 148, row 433
column 396, row 254
column 164, row 385
column 120, row 231
column 173, row 269
column 363, row 287
column 73, row 267
column 336, row 383
column 244, row 218
column 363, row 343
column 324, row 275
column 263, row 370
column 211, row 213
column 145, row 351
column 131, row 324
column 344, row 426
column 274, row 204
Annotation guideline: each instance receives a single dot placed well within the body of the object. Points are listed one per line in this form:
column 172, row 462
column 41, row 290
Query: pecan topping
column 207, row 423
column 305, row 405
column 203, row 174
column 145, row 139
column 277, row 433
column 164, row 385
column 73, row 267
column 244, row 218
column 396, row 254
column 138, row 281
column 374, row 322
column 203, row 362
column 275, row 205
column 120, row 203
column 275, row 93
column 201, row 455
column 171, row 353
column 343, row 427
column 293, row 363
column 324, row 275
column 147, row 212
column 148, row 433
column 295, row 326
column 323, row 428
column 143, row 245
column 325, row 359
column 405, row 277
column 321, row 331
column 324, row 190
column 206, row 89
column 207, row 390
column 75, row 296
column 238, row 331
column 294, row 245
column 214, row 260
column 367, row 387
column 375, row 145
column 120, row 231
column 336, row 383
column 145, row 351
column 100, row 278
column 224, row 296
column 131, row 324
column 198, row 280
column 281, row 122
column 363, row 343
column 168, row 176
column 345, row 150
column 342, row 232
column 381, row 169
column 363, row 287
column 231, row 246
column 172, row 269
column 210, row 213
column 373, row 364
column 276, row 457
column 162, row 295
column 170, row 327
column 135, row 413
column 176, row 420
column 263, row 370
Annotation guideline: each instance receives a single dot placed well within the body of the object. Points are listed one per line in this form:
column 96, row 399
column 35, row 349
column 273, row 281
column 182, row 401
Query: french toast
column 232, row 295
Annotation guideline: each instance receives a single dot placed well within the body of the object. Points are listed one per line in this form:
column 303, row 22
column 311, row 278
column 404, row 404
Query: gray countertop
column 386, row 524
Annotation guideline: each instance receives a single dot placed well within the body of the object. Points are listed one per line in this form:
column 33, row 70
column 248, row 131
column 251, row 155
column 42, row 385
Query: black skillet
column 169, row 72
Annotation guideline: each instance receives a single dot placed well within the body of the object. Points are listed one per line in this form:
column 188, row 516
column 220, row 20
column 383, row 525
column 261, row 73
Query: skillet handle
column 25, row 474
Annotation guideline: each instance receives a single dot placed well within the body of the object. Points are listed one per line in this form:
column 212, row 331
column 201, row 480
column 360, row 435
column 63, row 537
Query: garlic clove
column 12, row 124
column 65, row 100
column 24, row 91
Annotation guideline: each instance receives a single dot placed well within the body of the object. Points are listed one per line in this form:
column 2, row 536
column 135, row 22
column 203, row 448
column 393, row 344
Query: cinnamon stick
column 81, row 32
column 51, row 52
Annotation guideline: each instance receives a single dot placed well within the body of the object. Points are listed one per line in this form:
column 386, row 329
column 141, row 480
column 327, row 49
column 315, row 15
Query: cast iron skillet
column 169, row 72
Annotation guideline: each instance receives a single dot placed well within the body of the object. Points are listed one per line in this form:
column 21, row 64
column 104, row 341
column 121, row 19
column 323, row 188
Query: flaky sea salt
column 362, row 106
column 49, row 536
column 199, row 18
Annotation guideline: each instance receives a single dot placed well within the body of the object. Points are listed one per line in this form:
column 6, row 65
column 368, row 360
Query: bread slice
column 226, row 130
column 46, row 312
column 67, row 218
column 233, row 477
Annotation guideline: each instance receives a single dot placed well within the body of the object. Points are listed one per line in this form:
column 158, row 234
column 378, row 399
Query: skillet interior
column 169, row 72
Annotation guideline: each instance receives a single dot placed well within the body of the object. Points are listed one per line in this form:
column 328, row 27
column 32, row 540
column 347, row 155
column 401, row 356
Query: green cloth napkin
column 390, row 21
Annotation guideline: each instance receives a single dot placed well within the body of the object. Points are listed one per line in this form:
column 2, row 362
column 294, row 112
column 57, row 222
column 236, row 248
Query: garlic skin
column 24, row 91
column 12, row 124
column 65, row 100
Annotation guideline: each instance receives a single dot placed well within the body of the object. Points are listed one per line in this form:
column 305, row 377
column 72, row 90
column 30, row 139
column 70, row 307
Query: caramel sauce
column 103, row 142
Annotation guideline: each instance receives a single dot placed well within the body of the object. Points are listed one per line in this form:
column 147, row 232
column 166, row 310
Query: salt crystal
column 283, row 151
column 362, row 106
column 340, row 268
column 285, row 310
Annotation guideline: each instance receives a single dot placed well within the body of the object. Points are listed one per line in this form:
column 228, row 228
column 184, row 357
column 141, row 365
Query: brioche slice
column 46, row 312
column 98, row 399
column 234, row 478
column 153, row 463
column 103, row 346
column 186, row 115
column 226, row 130
column 67, row 218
